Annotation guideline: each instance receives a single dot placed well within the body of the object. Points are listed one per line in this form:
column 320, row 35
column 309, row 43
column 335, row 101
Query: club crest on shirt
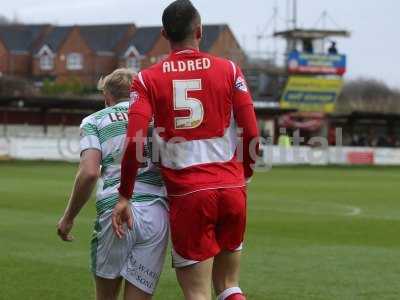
column 133, row 97
column 241, row 84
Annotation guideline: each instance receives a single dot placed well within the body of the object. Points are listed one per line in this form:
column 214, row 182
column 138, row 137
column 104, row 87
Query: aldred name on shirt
column 187, row 65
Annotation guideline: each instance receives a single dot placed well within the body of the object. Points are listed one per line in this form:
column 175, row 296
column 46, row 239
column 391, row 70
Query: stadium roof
column 299, row 33
column 93, row 104
column 47, row 102
column 20, row 37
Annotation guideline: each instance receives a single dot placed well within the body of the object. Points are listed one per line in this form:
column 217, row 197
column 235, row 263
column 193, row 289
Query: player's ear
column 164, row 34
column 109, row 99
column 199, row 32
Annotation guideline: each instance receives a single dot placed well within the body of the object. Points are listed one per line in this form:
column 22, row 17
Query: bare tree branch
column 4, row 20
column 368, row 95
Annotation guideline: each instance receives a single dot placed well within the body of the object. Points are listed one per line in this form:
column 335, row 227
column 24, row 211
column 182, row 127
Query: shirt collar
column 185, row 51
column 122, row 102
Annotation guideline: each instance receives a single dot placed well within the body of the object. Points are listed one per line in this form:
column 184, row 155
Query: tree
column 368, row 95
column 4, row 20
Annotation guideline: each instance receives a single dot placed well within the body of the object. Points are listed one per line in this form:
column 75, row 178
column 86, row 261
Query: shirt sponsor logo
column 143, row 274
column 134, row 96
column 241, row 84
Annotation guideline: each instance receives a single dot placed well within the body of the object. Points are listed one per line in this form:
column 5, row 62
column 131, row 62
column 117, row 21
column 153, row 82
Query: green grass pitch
column 313, row 233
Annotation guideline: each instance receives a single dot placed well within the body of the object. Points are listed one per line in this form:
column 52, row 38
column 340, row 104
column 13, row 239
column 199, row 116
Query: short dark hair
column 179, row 20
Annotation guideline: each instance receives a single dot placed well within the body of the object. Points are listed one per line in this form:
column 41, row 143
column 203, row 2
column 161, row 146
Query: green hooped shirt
column 105, row 130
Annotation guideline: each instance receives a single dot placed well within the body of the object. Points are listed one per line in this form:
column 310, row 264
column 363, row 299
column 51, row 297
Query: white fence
column 40, row 148
column 332, row 156
column 67, row 149
column 38, row 131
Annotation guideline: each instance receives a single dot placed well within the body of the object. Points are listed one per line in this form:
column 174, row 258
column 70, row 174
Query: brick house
column 147, row 46
column 84, row 52
column 219, row 40
column 16, row 45
column 88, row 52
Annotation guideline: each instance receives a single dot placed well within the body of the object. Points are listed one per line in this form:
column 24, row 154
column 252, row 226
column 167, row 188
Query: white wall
column 38, row 131
column 40, row 148
column 276, row 155
column 67, row 149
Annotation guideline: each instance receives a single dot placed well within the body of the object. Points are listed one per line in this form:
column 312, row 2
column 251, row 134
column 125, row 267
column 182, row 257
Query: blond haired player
column 138, row 258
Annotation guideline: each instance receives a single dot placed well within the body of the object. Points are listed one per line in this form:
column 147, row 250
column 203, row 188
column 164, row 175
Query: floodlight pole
column 294, row 14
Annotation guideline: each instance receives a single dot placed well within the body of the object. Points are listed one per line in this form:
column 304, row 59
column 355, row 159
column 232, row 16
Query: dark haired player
column 198, row 101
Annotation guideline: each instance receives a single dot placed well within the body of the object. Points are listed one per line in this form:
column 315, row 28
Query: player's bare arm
column 140, row 112
column 246, row 120
column 85, row 181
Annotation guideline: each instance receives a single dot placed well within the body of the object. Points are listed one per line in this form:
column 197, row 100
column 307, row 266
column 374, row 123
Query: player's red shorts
column 205, row 222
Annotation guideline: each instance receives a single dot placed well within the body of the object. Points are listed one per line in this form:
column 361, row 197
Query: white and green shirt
column 105, row 130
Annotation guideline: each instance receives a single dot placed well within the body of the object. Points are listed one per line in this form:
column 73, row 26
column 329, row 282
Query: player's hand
column 121, row 215
column 248, row 181
column 64, row 228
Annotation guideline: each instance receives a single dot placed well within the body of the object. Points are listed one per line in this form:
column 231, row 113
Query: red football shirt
column 198, row 102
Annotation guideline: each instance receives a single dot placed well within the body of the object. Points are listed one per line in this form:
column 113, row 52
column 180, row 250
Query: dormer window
column 46, row 62
column 132, row 58
column 46, row 59
column 75, row 61
column 133, row 63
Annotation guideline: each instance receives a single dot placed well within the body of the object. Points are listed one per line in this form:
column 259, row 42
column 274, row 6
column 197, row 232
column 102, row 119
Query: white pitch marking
column 349, row 211
column 354, row 211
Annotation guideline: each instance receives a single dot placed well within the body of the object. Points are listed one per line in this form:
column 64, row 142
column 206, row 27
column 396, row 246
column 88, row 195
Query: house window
column 133, row 63
column 74, row 61
column 46, row 62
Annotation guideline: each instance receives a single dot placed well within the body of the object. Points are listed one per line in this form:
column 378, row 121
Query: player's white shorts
column 139, row 256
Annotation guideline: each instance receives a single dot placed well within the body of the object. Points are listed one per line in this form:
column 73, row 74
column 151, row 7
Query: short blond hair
column 117, row 83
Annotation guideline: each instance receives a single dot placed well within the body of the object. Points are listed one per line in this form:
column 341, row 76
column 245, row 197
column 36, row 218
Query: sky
column 372, row 50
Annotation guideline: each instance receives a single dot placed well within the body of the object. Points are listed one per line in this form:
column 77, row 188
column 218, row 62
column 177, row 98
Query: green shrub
column 72, row 86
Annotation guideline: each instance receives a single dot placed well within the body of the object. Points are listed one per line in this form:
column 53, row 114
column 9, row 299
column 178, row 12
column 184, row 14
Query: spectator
column 382, row 142
column 392, row 140
column 308, row 46
column 333, row 49
column 355, row 141
column 284, row 141
column 332, row 136
column 266, row 135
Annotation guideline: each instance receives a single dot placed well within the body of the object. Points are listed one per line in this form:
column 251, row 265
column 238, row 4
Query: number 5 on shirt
column 183, row 102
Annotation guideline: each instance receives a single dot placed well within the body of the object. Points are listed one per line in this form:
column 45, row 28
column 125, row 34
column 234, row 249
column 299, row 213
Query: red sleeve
column 140, row 113
column 241, row 93
column 246, row 120
column 139, row 99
